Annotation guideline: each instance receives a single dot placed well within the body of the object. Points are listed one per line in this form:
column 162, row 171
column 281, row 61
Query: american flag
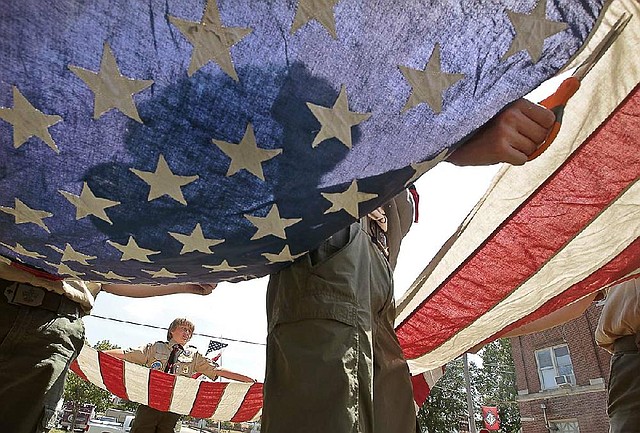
column 545, row 234
column 220, row 401
column 168, row 141
column 215, row 346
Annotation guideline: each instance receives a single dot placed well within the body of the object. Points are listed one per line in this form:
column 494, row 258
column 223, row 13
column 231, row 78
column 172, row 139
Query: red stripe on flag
column 112, row 371
column 75, row 367
column 625, row 263
column 36, row 272
column 160, row 389
column 421, row 389
column 207, row 399
column 250, row 405
column 573, row 196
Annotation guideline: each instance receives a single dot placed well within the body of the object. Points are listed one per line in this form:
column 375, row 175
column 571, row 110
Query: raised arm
column 117, row 353
column 145, row 291
column 511, row 136
column 558, row 317
column 234, row 376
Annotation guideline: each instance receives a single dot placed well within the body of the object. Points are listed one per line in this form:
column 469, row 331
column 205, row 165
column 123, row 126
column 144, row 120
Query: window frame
column 555, row 422
column 556, row 368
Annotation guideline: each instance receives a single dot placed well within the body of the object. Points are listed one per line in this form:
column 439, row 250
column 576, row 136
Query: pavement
column 186, row 429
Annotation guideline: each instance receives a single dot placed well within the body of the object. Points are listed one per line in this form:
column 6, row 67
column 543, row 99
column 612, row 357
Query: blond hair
column 179, row 322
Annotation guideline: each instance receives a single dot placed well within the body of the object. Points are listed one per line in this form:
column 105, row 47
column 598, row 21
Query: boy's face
column 182, row 334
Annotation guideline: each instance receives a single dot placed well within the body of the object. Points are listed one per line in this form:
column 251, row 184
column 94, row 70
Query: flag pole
column 467, row 383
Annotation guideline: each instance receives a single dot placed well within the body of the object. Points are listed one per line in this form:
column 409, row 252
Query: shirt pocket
column 160, row 356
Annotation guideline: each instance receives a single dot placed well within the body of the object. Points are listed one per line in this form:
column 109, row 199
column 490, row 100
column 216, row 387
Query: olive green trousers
column 624, row 391
column 334, row 363
column 36, row 348
column 150, row 420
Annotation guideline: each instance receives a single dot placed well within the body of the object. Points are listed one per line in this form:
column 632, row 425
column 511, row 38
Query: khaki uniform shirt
column 620, row 315
column 155, row 356
column 82, row 292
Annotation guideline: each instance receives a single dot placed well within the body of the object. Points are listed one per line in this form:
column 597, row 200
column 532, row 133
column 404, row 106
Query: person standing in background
column 618, row 332
column 41, row 333
column 174, row 357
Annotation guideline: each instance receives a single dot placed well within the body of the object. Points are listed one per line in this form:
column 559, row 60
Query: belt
column 628, row 343
column 26, row 295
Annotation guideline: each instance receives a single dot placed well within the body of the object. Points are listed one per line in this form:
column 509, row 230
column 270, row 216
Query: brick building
column 562, row 377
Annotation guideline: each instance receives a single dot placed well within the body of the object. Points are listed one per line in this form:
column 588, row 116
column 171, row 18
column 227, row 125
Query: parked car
column 83, row 412
column 107, row 424
column 118, row 414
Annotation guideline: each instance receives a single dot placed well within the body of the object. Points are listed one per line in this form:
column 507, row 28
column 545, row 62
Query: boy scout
column 41, row 333
column 334, row 363
column 171, row 357
column 618, row 332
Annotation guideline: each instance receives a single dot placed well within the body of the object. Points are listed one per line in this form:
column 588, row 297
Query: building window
column 554, row 367
column 564, row 426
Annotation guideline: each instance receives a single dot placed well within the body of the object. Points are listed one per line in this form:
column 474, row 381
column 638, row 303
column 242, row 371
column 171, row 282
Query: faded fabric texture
column 136, row 174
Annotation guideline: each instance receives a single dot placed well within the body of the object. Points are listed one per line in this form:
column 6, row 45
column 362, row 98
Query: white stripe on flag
column 231, row 401
column 90, row 366
column 614, row 229
column 184, row 394
column 432, row 376
column 136, row 380
column 609, row 83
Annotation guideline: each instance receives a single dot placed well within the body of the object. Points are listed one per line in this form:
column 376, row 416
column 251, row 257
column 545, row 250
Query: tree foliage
column 446, row 406
column 493, row 384
column 497, row 383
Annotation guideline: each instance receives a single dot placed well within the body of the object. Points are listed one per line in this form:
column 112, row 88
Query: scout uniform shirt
column 155, row 356
column 80, row 292
column 621, row 314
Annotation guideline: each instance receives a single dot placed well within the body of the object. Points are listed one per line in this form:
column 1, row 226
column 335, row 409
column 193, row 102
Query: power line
column 164, row 328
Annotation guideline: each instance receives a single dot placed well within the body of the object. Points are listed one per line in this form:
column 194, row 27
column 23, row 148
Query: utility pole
column 467, row 383
column 75, row 410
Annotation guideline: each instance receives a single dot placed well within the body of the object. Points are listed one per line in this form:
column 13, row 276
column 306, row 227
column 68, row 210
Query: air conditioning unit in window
column 563, row 381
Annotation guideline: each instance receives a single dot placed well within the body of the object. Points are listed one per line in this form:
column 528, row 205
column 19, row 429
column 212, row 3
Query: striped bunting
column 219, row 401
column 423, row 383
column 545, row 234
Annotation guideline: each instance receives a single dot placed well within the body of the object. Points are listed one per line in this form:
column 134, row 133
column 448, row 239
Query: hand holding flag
column 140, row 148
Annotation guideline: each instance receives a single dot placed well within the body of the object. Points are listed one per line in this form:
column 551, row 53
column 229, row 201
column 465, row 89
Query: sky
column 237, row 311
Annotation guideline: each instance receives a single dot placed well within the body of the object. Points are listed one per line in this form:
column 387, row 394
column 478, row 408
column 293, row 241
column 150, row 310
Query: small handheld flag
column 214, row 346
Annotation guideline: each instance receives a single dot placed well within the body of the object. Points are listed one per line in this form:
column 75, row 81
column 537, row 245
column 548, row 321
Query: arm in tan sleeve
column 558, row 317
column 234, row 376
column 117, row 353
column 205, row 366
column 145, row 291
column 138, row 356
column 208, row 368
